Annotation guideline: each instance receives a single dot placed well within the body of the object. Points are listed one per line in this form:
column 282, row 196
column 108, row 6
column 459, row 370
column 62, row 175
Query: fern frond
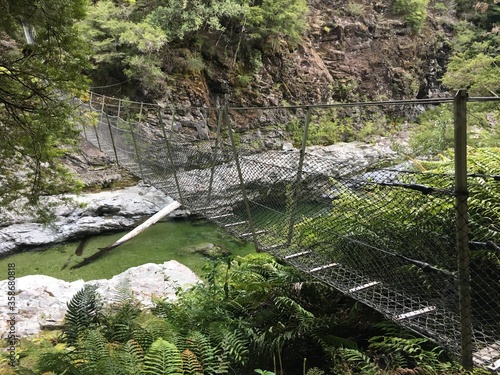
column 105, row 366
column 82, row 313
column 163, row 358
column 200, row 345
column 235, row 344
column 360, row 361
column 190, row 363
column 144, row 338
column 120, row 321
column 91, row 349
column 329, row 342
column 56, row 362
column 153, row 328
column 160, row 328
column 122, row 294
column 130, row 357
column 306, row 318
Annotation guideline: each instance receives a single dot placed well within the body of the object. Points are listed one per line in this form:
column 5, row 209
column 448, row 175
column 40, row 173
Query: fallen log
column 152, row 220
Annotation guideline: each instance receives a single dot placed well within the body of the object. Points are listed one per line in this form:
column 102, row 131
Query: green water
column 164, row 241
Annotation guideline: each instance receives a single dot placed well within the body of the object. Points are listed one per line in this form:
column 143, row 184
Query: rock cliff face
column 353, row 50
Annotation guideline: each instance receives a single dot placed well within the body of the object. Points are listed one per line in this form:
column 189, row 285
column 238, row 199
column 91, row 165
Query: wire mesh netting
column 357, row 215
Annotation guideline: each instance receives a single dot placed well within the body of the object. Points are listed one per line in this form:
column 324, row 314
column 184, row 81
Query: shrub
column 414, row 12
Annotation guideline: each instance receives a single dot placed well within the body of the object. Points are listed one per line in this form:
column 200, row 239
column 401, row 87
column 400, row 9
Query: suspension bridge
column 390, row 236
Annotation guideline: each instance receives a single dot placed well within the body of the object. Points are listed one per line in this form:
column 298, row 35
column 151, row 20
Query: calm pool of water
column 169, row 240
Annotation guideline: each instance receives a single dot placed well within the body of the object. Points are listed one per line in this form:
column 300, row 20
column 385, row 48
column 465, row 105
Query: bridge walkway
column 361, row 224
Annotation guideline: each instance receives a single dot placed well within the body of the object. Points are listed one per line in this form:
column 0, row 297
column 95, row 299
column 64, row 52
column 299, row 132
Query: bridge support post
column 242, row 181
column 98, row 123
column 217, row 140
column 463, row 258
column 169, row 151
column 298, row 182
column 135, row 144
column 90, row 110
column 112, row 138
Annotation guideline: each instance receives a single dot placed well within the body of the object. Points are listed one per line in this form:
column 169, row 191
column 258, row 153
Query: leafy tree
column 41, row 62
column 279, row 19
column 124, row 45
column 183, row 19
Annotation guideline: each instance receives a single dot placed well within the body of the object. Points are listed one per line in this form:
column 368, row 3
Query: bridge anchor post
column 463, row 257
column 251, row 223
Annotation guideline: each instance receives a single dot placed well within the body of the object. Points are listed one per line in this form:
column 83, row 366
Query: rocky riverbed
column 113, row 200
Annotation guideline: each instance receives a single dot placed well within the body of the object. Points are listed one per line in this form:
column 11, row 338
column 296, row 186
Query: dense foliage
column 414, row 12
column 251, row 315
column 150, row 42
column 474, row 63
column 124, row 46
column 41, row 62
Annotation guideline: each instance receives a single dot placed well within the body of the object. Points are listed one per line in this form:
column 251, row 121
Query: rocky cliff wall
column 352, row 51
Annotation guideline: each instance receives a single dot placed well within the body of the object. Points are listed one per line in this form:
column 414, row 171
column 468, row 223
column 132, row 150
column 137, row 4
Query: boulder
column 80, row 216
column 41, row 301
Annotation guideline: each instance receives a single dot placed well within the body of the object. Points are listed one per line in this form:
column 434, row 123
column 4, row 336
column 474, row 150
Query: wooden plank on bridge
column 362, row 287
column 263, row 231
column 235, row 224
column 489, row 354
column 414, row 313
column 219, row 216
column 323, row 267
column 291, row 256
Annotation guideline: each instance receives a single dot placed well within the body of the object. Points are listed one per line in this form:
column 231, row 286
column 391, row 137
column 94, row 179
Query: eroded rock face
column 352, row 51
column 84, row 215
column 41, row 301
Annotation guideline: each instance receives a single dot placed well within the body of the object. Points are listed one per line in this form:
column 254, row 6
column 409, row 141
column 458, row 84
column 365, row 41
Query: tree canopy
column 41, row 64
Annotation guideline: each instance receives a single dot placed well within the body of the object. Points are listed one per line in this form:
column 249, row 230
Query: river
column 178, row 239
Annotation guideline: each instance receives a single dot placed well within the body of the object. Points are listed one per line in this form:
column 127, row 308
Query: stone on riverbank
column 87, row 214
column 41, row 300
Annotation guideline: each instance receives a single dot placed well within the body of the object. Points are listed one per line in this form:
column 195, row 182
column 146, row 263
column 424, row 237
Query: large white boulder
column 81, row 216
column 41, row 301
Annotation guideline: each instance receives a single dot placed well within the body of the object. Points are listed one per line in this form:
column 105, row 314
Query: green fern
column 163, row 358
column 305, row 318
column 207, row 355
column 152, row 328
column 235, row 343
column 120, row 322
column 190, row 363
column 359, row 361
column 59, row 363
column 91, row 352
column 130, row 357
column 160, row 328
column 409, row 352
column 144, row 338
column 82, row 313
column 123, row 294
